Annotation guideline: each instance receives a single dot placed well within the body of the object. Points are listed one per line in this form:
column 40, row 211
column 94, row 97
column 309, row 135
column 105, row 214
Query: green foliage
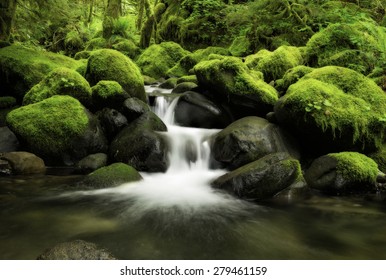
column 291, row 76
column 7, row 102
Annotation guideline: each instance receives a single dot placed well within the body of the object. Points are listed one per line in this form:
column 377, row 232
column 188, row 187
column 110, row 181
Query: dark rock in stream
column 184, row 87
column 76, row 250
column 133, row 108
column 249, row 139
column 91, row 163
column 21, row 163
column 8, row 140
column 111, row 121
column 261, row 179
column 141, row 145
column 196, row 110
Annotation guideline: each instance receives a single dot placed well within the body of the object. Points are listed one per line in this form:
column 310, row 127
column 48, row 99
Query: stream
column 177, row 215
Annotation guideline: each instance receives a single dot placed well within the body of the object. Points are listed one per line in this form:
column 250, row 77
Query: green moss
column 112, row 176
column 96, row 43
column 275, row 64
column 108, row 94
column 61, row 81
column 291, row 76
column 338, row 100
column 380, row 158
column 21, row 68
column 230, row 76
column 156, row 60
column 183, row 67
column 52, row 123
column 359, row 45
column 127, row 47
column 82, row 55
column 251, row 61
column 356, row 167
column 111, row 65
column 7, row 102
column 189, row 79
column 240, row 46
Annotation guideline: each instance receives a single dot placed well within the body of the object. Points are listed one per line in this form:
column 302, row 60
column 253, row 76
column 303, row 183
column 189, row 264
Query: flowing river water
column 177, row 215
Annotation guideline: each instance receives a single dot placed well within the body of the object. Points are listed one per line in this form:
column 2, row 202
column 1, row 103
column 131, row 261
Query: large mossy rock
column 21, row 68
column 61, row 81
column 334, row 109
column 156, row 60
column 358, row 46
column 141, row 146
column 111, row 65
column 111, row 176
column 261, row 179
column 343, row 173
column 230, row 80
column 249, row 139
column 58, row 129
column 76, row 250
column 274, row 64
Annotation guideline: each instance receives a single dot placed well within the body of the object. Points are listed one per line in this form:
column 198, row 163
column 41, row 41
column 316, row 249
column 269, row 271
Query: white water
column 186, row 184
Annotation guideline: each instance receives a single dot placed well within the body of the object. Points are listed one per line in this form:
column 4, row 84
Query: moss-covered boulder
column 184, row 87
column 111, row 65
column 91, row 163
column 274, row 64
column 230, row 80
column 334, row 109
column 141, row 146
column 108, row 94
column 58, row 129
column 111, row 176
column 128, row 48
column 7, row 102
column 261, row 179
column 291, row 76
column 61, row 81
column 358, row 46
column 186, row 64
column 249, row 139
column 21, row 68
column 156, row 60
column 343, row 173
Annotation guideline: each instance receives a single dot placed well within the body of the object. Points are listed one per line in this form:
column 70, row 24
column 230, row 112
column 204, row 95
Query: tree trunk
column 7, row 14
column 91, row 9
column 113, row 11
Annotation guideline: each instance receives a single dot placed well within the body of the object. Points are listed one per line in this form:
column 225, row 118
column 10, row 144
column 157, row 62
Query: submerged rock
column 21, row 163
column 58, row 129
column 261, row 179
column 111, row 176
column 76, row 250
column 249, row 139
column 343, row 173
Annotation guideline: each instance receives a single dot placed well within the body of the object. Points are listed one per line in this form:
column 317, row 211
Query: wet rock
column 76, row 250
column 133, row 108
column 21, row 163
column 8, row 140
column 184, row 87
column 111, row 176
column 249, row 139
column 196, row 110
column 169, row 83
column 261, row 179
column 91, row 163
column 112, row 122
column 141, row 146
column 342, row 173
